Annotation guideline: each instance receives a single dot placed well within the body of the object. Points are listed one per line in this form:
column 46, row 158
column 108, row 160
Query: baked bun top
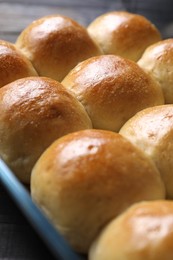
column 144, row 231
column 157, row 60
column 55, row 44
column 123, row 33
column 152, row 131
column 35, row 111
column 13, row 64
column 86, row 178
column 112, row 89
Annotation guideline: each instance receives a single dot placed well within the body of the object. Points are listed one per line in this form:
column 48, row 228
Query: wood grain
column 16, row 15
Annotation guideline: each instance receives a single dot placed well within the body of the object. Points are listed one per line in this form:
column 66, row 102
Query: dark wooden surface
column 17, row 238
column 16, row 14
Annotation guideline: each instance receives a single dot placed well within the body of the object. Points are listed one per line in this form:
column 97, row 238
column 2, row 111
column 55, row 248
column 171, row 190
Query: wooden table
column 16, row 14
column 17, row 239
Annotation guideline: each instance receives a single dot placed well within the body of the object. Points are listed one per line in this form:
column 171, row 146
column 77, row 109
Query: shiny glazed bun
column 13, row 64
column 112, row 89
column 144, row 231
column 35, row 111
column 157, row 60
column 152, row 131
column 86, row 178
column 55, row 44
column 122, row 33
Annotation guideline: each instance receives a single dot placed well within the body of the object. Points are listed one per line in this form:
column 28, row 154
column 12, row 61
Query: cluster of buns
column 112, row 89
column 13, row 64
column 144, row 231
column 87, row 178
column 55, row 44
column 86, row 118
column 35, row 111
column 157, row 60
column 123, row 33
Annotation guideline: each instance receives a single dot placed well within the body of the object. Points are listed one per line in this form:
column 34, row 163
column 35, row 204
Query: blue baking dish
column 50, row 236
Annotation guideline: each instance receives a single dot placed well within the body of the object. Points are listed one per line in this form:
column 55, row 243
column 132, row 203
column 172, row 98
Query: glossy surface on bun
column 112, row 89
column 55, row 44
column 144, row 231
column 152, row 131
column 35, row 111
column 157, row 60
column 86, row 178
column 13, row 64
column 122, row 33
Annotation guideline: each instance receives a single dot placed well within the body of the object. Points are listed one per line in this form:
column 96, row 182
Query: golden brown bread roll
column 157, row 60
column 123, row 33
column 55, row 44
column 152, row 131
column 35, row 111
column 112, row 89
column 13, row 64
column 144, row 231
column 86, row 178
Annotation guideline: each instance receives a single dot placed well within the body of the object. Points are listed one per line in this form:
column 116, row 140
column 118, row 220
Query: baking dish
column 51, row 237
